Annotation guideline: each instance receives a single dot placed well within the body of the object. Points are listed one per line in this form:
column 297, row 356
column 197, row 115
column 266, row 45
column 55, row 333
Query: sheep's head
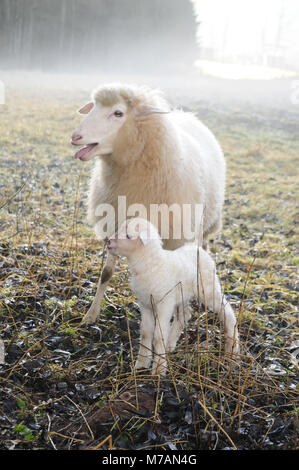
column 133, row 237
column 114, row 107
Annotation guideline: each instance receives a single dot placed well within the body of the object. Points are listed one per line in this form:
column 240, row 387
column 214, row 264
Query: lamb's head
column 134, row 237
column 114, row 107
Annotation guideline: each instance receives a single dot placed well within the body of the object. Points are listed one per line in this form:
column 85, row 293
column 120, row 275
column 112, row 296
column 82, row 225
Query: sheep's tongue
column 83, row 153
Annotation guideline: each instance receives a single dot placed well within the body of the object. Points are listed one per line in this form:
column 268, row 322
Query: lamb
column 151, row 155
column 164, row 282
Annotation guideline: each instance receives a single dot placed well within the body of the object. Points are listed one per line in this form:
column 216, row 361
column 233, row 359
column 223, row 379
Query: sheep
column 164, row 282
column 151, row 155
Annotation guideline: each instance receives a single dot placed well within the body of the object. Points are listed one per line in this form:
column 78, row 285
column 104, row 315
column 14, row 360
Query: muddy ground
column 68, row 386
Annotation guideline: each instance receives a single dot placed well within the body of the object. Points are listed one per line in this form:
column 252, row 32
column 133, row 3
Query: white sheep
column 164, row 282
column 151, row 156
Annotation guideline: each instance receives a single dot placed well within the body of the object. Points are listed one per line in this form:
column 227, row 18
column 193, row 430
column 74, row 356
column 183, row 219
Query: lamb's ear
column 146, row 110
column 86, row 108
column 145, row 237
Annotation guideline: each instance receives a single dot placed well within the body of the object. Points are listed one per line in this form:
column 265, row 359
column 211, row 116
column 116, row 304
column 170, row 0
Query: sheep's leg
column 230, row 328
column 182, row 315
column 106, row 275
column 232, row 344
column 147, row 328
column 161, row 333
column 216, row 302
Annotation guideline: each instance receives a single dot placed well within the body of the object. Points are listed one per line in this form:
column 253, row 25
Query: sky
column 238, row 27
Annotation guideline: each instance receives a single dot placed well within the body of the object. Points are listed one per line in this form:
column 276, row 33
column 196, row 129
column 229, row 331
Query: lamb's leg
column 232, row 344
column 162, row 328
column 182, row 316
column 147, row 328
column 106, row 275
column 218, row 303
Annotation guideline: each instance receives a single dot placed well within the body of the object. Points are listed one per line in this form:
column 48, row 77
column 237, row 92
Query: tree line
column 82, row 35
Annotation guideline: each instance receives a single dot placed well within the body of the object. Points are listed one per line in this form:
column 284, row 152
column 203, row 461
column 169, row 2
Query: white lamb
column 150, row 155
column 164, row 282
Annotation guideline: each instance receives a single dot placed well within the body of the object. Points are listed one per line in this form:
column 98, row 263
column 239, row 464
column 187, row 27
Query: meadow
column 64, row 385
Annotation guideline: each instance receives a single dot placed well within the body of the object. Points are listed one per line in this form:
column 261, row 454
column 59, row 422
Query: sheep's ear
column 86, row 108
column 145, row 237
column 146, row 110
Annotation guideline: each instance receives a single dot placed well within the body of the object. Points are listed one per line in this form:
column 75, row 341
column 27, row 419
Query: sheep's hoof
column 142, row 371
column 232, row 347
column 159, row 372
column 142, row 364
column 159, row 369
column 88, row 319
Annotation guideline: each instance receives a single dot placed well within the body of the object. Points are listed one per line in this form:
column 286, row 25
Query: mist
column 193, row 51
column 99, row 36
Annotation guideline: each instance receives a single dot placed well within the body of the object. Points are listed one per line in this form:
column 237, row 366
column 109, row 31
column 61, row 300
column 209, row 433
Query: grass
column 66, row 386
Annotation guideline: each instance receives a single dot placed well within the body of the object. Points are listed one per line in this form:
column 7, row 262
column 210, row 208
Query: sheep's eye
column 118, row 113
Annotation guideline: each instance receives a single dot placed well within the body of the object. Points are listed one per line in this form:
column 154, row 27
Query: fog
column 216, row 52
column 97, row 35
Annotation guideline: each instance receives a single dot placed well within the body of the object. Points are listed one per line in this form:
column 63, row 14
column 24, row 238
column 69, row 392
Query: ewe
column 151, row 156
column 164, row 282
